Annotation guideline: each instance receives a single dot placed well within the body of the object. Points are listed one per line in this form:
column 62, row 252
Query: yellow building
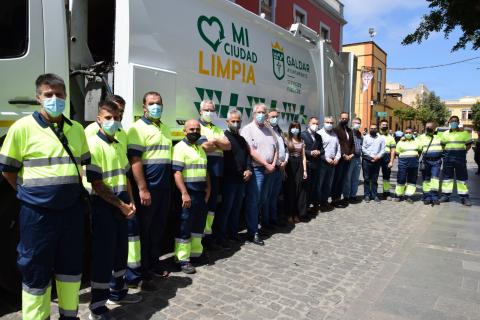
column 370, row 58
column 462, row 108
column 373, row 104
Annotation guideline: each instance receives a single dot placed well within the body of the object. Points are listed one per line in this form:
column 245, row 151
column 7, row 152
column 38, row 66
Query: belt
column 432, row 159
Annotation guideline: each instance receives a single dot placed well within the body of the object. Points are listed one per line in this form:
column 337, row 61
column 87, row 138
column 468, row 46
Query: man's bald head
column 191, row 125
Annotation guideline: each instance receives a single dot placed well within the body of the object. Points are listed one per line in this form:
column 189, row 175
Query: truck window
column 13, row 29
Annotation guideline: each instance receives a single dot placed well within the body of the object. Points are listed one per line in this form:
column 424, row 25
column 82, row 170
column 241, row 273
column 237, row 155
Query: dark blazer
column 347, row 146
column 311, row 145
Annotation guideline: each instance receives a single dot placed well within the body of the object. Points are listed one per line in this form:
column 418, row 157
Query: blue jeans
column 255, row 197
column 371, row 171
column 352, row 178
column 232, row 198
column 275, row 184
column 325, row 182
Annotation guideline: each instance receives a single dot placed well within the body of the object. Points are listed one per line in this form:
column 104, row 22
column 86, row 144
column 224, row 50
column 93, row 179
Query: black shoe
column 436, row 202
column 305, row 218
column 444, row 199
column 279, row 224
column 466, row 202
column 210, row 245
column 236, row 238
column 376, row 199
column 268, row 227
column 367, row 199
column 187, row 268
column 255, row 239
column 409, row 200
column 224, row 244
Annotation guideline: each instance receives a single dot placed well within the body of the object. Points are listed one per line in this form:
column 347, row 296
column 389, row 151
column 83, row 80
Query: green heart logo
column 214, row 43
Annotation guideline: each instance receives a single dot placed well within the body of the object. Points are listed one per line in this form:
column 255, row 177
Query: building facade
column 323, row 16
column 407, row 95
column 462, row 108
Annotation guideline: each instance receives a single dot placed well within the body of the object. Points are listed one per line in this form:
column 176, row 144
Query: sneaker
column 128, row 299
column 436, row 202
column 367, row 199
column 160, row 272
column 466, row 202
column 187, row 268
column 104, row 316
column 376, row 199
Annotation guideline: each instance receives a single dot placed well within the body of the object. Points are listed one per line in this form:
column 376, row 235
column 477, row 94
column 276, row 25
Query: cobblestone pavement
column 332, row 267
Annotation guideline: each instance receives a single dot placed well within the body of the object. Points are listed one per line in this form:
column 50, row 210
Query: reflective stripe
column 194, row 179
column 211, row 213
column 118, row 189
column 99, row 285
column 196, row 166
column 118, row 274
column 40, row 182
column 407, row 156
column 178, row 240
column 178, row 163
column 68, row 313
column 195, row 254
column 133, row 265
column 85, row 156
column 36, row 291
column 157, row 147
column 134, row 238
column 10, row 161
column 136, row 147
column 113, row 173
column 197, row 235
column 68, row 278
column 94, row 168
column 215, row 154
column 41, row 162
column 157, row 161
column 459, row 142
column 97, row 304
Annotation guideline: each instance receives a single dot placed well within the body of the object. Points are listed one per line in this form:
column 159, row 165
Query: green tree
column 429, row 107
column 476, row 115
column 447, row 15
column 407, row 114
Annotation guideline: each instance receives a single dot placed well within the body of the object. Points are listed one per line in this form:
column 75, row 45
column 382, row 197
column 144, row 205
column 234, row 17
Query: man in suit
column 313, row 151
column 347, row 149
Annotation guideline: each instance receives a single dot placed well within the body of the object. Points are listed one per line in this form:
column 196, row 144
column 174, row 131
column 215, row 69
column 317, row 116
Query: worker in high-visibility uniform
column 214, row 143
column 121, row 134
column 388, row 158
column 192, row 181
column 48, row 184
column 408, row 151
column 150, row 155
column 112, row 205
column 432, row 159
column 133, row 274
column 456, row 144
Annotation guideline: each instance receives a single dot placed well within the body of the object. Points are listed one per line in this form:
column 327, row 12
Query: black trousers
column 339, row 179
column 296, row 193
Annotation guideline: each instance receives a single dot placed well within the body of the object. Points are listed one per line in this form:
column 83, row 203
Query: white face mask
column 314, row 127
column 328, row 126
column 356, row 126
column 207, row 116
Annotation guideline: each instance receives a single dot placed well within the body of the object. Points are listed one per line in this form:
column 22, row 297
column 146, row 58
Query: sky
column 394, row 19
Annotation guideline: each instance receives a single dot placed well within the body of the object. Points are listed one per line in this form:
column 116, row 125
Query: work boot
column 444, row 199
column 466, row 202
column 128, row 299
column 187, row 268
column 409, row 200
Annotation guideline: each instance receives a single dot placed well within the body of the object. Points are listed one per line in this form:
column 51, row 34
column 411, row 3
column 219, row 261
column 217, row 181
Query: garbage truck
column 187, row 50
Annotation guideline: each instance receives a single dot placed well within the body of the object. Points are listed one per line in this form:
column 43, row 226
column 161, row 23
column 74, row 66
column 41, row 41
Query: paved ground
column 391, row 261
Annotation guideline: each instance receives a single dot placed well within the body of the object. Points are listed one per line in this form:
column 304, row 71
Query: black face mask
column 384, row 129
column 344, row 122
column 429, row 130
column 193, row 136
column 373, row 132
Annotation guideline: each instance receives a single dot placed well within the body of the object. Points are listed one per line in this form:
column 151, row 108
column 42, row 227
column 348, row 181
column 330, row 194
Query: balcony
column 333, row 6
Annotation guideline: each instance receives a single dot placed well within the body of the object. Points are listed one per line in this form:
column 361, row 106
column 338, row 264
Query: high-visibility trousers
column 386, row 172
column 455, row 168
column 188, row 242
column 431, row 179
column 407, row 177
column 51, row 242
column 109, row 255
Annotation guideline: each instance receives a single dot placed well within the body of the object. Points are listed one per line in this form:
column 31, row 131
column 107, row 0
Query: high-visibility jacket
column 215, row 158
column 47, row 177
column 120, row 135
column 435, row 150
column 408, row 148
column 153, row 144
column 389, row 143
column 455, row 143
column 191, row 160
column 109, row 163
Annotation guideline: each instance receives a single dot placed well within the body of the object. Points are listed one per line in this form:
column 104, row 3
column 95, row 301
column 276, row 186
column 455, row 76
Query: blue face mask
column 155, row 111
column 207, row 116
column 295, row 131
column 454, row 125
column 260, row 117
column 110, row 127
column 328, row 126
column 54, row 106
column 274, row 121
column 356, row 126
